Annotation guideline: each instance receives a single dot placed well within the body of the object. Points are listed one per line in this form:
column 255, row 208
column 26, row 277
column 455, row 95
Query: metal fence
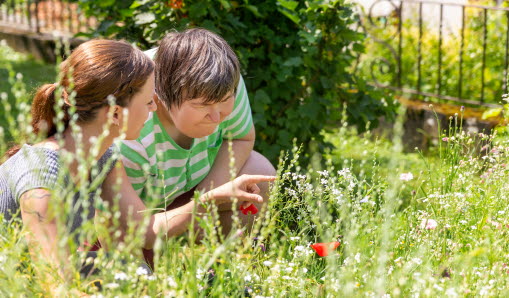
column 51, row 16
column 445, row 51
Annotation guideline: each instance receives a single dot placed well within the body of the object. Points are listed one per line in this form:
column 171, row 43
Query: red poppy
column 323, row 249
column 249, row 209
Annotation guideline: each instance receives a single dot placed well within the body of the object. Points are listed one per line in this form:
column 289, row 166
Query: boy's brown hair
column 192, row 64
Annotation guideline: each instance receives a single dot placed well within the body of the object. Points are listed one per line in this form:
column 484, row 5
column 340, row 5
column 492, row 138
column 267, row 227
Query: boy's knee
column 257, row 164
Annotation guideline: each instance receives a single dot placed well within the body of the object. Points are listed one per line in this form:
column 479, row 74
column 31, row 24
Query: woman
column 34, row 178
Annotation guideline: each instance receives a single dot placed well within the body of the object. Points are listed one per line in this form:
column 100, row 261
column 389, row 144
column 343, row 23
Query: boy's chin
column 202, row 133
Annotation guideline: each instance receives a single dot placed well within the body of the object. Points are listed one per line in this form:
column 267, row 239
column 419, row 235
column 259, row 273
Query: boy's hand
column 244, row 188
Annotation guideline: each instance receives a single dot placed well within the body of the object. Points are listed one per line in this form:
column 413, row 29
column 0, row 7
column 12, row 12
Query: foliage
column 295, row 55
column 471, row 80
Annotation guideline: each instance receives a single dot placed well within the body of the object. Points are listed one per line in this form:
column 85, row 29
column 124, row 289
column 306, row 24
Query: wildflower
column 429, row 224
column 249, row 209
column 121, row 276
column 324, row 173
column 364, row 200
column 112, row 285
column 200, row 273
column 267, row 263
column 322, row 249
column 141, row 271
column 406, row 176
column 445, row 139
column 171, row 282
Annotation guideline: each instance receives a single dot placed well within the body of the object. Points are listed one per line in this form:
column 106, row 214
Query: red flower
column 249, row 209
column 323, row 249
column 175, row 4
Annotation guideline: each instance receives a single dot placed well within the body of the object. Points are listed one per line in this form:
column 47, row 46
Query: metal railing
column 432, row 50
column 50, row 16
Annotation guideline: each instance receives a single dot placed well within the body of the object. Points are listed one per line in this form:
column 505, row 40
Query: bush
column 296, row 58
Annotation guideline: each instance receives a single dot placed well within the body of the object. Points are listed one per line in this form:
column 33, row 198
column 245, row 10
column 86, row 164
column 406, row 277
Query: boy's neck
column 168, row 125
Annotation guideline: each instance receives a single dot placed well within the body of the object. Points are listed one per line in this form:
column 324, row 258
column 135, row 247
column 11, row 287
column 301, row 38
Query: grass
column 441, row 231
column 20, row 75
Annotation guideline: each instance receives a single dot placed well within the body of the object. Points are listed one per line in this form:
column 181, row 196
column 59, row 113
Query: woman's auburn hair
column 95, row 71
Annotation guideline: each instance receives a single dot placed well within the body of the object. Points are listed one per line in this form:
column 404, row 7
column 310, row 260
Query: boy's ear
column 156, row 97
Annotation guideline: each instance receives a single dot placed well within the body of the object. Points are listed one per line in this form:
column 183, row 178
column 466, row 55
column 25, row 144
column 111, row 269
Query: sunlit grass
column 33, row 74
column 408, row 225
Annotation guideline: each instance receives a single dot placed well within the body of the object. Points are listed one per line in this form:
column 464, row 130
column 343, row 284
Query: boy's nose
column 215, row 116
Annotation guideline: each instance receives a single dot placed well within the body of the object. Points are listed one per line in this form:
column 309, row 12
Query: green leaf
column 126, row 12
column 225, row 4
column 291, row 16
column 254, row 10
column 197, row 11
column 290, row 5
column 293, row 61
column 106, row 3
column 138, row 3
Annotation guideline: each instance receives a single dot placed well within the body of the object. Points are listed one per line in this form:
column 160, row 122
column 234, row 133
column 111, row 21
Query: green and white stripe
column 158, row 167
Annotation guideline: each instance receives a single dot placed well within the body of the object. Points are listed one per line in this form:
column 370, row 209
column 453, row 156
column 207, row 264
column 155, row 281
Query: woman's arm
column 176, row 221
column 43, row 233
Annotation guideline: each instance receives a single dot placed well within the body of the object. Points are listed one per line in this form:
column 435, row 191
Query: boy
column 201, row 100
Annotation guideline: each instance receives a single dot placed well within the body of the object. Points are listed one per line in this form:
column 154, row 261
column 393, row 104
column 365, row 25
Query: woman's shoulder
column 31, row 167
column 32, row 157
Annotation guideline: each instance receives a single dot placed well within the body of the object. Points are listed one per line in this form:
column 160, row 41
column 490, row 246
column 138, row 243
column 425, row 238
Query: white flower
column 121, row 276
column 171, row 282
column 323, row 173
column 267, row 263
column 247, row 278
column 429, row 224
column 406, row 176
column 294, row 238
column 141, row 271
column 111, row 285
column 364, row 200
column 200, row 273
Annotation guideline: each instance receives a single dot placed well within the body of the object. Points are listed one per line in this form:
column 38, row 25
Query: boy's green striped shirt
column 160, row 170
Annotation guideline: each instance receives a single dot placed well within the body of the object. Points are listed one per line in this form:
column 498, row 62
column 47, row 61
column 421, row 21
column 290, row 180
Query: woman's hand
column 243, row 188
